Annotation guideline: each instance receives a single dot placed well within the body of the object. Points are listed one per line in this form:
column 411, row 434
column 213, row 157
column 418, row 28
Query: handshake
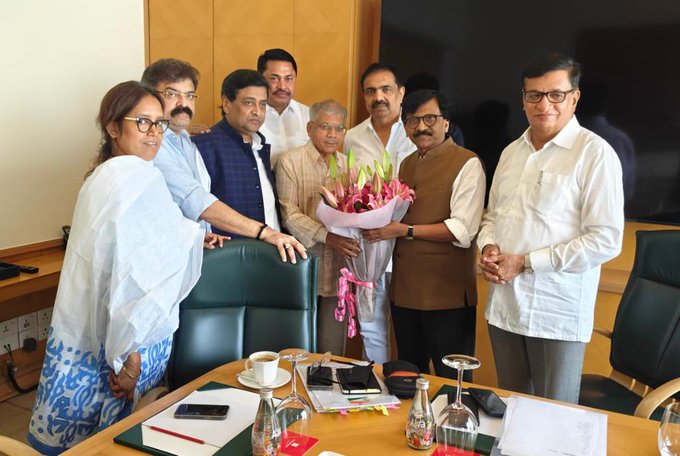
column 499, row 268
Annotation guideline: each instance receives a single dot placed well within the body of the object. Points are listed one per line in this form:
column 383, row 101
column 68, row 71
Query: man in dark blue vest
column 236, row 154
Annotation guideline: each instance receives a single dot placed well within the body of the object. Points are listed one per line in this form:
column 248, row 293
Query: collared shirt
column 185, row 175
column 287, row 130
column 234, row 171
column 368, row 147
column 300, row 174
column 563, row 205
column 271, row 217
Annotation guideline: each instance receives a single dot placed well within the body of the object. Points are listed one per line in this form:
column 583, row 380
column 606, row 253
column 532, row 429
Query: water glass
column 669, row 432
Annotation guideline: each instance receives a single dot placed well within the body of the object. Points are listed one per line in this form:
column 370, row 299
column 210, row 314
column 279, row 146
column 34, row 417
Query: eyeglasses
column 428, row 120
column 554, row 96
column 172, row 95
column 339, row 128
column 144, row 124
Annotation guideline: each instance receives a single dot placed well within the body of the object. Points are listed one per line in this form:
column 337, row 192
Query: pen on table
column 358, row 398
column 177, row 434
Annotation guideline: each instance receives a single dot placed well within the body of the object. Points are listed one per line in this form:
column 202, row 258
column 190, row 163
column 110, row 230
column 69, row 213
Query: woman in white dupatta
column 131, row 258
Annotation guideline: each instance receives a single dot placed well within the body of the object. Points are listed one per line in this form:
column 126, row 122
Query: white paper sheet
column 333, row 400
column 532, row 426
column 216, row 433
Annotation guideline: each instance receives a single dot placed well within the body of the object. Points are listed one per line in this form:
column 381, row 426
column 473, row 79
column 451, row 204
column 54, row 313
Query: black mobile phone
column 488, row 401
column 202, row 411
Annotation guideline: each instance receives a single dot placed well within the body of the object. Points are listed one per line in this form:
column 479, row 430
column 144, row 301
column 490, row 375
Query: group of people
column 157, row 196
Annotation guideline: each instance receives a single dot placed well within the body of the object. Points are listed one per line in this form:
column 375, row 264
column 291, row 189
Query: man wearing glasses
column 183, row 168
column 300, row 173
column 382, row 131
column 434, row 288
column 555, row 214
column 285, row 125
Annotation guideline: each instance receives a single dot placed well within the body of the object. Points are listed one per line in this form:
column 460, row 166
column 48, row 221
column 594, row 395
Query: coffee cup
column 263, row 366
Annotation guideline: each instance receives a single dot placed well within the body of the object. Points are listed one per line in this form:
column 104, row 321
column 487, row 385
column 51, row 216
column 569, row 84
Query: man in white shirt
column 555, row 214
column 383, row 130
column 285, row 125
column 183, row 168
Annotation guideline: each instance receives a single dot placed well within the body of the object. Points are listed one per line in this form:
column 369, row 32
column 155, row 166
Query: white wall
column 57, row 58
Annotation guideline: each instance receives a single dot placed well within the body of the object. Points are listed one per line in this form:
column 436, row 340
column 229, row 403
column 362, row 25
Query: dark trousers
column 424, row 335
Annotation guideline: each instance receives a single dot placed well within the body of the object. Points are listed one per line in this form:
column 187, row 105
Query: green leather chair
column 246, row 300
column 645, row 341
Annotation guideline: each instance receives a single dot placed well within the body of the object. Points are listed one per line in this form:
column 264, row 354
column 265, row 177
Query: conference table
column 360, row 433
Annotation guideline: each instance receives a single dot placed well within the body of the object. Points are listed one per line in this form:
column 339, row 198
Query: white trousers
column 376, row 333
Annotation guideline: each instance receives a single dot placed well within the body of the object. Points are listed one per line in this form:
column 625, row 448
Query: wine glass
column 669, row 432
column 456, row 425
column 293, row 408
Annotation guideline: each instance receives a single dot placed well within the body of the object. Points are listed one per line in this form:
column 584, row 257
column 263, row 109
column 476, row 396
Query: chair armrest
column 14, row 447
column 656, row 397
column 603, row 332
column 151, row 396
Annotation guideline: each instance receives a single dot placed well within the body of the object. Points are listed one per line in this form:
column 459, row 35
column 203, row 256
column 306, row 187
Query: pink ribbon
column 347, row 300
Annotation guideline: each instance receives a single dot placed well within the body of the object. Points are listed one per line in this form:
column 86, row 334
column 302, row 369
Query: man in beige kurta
column 300, row 173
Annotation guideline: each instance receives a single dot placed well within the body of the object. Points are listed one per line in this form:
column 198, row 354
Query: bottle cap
column 422, row 383
column 266, row 393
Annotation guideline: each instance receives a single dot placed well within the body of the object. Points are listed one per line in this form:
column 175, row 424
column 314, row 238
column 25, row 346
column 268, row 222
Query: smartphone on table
column 488, row 401
column 202, row 411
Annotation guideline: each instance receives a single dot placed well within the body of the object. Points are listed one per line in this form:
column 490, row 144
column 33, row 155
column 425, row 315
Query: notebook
column 358, row 380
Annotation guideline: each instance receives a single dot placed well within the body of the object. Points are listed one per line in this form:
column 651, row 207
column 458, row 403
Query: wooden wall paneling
column 183, row 29
column 242, row 31
column 322, row 42
column 365, row 50
column 241, row 51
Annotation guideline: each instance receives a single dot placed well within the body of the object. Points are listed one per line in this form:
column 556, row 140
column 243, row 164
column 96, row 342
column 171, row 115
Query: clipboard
column 239, row 445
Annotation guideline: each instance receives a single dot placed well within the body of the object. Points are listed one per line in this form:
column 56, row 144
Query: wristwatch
column 527, row 263
column 409, row 233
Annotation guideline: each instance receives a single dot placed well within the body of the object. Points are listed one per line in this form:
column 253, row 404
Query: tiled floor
column 16, row 414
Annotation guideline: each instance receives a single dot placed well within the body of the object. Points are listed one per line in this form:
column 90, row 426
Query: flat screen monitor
column 474, row 53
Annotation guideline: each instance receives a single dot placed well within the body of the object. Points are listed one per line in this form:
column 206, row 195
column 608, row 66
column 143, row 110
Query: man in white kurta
column 131, row 258
column 382, row 131
column 285, row 123
column 555, row 214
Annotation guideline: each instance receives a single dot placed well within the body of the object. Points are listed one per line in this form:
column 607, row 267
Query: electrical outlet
column 45, row 317
column 23, row 335
column 28, row 321
column 8, row 328
column 43, row 331
column 12, row 340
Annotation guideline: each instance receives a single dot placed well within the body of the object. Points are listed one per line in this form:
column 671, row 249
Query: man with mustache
column 300, row 174
column 183, row 167
column 434, row 288
column 285, row 125
column 236, row 154
column 383, row 130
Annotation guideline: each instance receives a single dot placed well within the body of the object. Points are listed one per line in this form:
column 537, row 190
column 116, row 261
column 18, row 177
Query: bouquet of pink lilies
column 361, row 199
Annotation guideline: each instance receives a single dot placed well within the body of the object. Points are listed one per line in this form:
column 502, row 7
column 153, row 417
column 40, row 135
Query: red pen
column 177, row 434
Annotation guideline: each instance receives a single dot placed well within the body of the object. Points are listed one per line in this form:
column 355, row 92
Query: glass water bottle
column 420, row 425
column 266, row 437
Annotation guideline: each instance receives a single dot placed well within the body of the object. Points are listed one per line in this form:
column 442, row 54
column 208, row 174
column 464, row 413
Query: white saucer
column 282, row 377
